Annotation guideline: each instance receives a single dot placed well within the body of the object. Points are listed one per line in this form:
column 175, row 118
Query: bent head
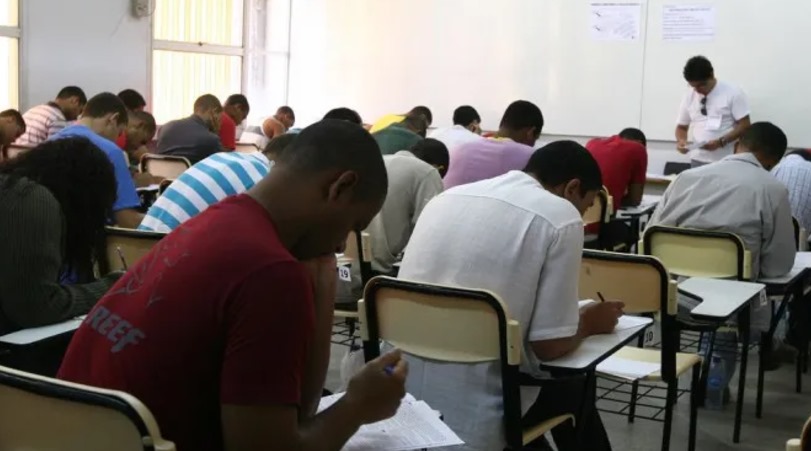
column 522, row 122
column 700, row 74
column 286, row 116
column 140, row 130
column 12, row 126
column 433, row 152
column 237, row 108
column 568, row 170
column 468, row 117
column 71, row 100
column 208, row 108
column 340, row 184
column 765, row 141
column 106, row 115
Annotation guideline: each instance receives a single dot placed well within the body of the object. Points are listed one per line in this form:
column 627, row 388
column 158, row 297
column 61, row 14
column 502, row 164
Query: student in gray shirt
column 194, row 137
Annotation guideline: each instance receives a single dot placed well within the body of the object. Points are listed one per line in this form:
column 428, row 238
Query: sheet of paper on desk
column 415, row 426
column 629, row 322
column 802, row 260
column 627, row 369
column 34, row 334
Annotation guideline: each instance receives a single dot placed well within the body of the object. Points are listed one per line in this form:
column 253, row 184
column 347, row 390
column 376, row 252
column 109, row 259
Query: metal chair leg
column 671, row 400
column 632, row 406
column 705, row 369
column 763, row 351
column 691, row 443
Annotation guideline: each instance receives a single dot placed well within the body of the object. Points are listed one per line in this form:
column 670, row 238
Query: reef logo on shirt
column 114, row 328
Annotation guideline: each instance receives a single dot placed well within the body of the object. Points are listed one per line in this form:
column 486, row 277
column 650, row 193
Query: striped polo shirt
column 41, row 122
column 203, row 185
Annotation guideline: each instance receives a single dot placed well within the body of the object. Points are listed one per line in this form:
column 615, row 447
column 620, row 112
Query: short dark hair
column 522, row 114
column 344, row 114
column 465, row 115
column 238, row 100
column 418, row 122
column 147, row 118
column 72, row 91
column 433, row 152
column 634, row 134
column 425, row 111
column 765, row 138
column 207, row 102
column 278, row 144
column 106, row 103
column 698, row 68
column 14, row 114
column 563, row 161
column 132, row 99
column 335, row 144
column 286, row 110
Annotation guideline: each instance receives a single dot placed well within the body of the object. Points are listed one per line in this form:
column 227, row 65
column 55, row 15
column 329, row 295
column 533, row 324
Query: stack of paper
column 415, row 426
column 627, row 369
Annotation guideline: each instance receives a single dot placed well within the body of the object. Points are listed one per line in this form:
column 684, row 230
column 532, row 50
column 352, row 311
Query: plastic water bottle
column 716, row 381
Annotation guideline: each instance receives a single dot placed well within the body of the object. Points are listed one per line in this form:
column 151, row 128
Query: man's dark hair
column 433, row 152
column 334, row 144
column 278, row 144
column 106, row 103
column 563, row 161
column 634, row 134
column 286, row 110
column 238, row 100
column 148, row 119
column 207, row 102
column 344, row 114
column 465, row 115
column 80, row 177
column 72, row 91
column 132, row 99
column 416, row 122
column 425, row 111
column 522, row 114
column 765, row 138
column 18, row 118
column 698, row 68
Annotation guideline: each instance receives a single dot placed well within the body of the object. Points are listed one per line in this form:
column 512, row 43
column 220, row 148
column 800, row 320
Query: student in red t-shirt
column 235, row 110
column 223, row 329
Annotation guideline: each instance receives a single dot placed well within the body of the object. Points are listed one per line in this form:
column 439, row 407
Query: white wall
column 95, row 44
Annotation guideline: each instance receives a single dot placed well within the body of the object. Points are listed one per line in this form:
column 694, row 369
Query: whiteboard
column 384, row 56
column 761, row 46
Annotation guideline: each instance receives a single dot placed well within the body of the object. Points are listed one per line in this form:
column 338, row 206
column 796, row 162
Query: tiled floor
column 784, row 414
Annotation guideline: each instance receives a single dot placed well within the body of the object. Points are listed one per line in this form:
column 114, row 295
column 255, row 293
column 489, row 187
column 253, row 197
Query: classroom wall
column 95, row 44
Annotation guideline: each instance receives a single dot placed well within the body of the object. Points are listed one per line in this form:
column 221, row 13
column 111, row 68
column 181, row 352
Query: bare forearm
column 740, row 128
column 681, row 133
column 318, row 363
column 329, row 430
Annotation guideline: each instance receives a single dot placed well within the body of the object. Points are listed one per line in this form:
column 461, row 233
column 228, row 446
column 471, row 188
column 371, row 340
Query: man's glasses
column 704, row 106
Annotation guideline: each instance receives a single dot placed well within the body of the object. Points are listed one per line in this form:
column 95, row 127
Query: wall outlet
column 141, row 8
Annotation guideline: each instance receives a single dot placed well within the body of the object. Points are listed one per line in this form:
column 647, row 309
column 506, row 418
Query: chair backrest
column 124, row 247
column 698, row 253
column 359, row 251
column 446, row 324
column 166, row 166
column 600, row 212
column 246, row 147
column 38, row 412
column 644, row 285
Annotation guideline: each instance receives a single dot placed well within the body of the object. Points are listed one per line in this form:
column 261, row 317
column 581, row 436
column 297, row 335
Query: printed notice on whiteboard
column 616, row 21
column 688, row 23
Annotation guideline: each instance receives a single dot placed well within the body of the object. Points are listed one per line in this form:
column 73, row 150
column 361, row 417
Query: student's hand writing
column 601, row 317
column 375, row 393
column 681, row 146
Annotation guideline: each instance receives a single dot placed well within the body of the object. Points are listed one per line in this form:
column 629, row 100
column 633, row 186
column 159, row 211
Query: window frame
column 15, row 32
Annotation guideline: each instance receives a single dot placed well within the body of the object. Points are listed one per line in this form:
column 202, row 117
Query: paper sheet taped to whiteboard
column 615, row 21
column 688, row 22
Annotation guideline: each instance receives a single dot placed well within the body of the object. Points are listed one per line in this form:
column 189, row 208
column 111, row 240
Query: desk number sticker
column 344, row 274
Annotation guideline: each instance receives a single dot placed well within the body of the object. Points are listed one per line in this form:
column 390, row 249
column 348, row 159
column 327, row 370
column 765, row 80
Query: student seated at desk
column 194, row 137
column 389, row 119
column 104, row 119
column 44, row 121
column 509, row 150
column 415, row 177
column 12, row 126
column 54, row 201
column 466, row 128
column 210, row 181
column 344, row 114
column 141, row 129
column 519, row 235
column 402, row 135
column 623, row 161
column 133, row 100
column 234, row 113
column 795, row 172
column 227, row 337
column 279, row 123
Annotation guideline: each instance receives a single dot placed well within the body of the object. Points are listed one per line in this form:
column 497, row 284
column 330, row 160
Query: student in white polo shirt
column 466, row 128
column 715, row 111
column 519, row 235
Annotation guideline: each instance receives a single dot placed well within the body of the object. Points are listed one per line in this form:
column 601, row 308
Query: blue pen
column 389, row 370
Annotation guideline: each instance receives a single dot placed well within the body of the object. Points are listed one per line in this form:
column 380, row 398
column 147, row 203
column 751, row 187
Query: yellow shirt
column 385, row 121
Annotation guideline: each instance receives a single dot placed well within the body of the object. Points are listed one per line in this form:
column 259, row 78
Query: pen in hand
column 121, row 256
column 602, row 299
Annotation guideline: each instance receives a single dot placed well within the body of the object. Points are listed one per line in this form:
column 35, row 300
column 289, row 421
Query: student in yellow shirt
column 390, row 119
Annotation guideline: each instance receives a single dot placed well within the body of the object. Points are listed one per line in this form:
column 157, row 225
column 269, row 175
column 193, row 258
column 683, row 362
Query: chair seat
column 533, row 432
column 684, row 361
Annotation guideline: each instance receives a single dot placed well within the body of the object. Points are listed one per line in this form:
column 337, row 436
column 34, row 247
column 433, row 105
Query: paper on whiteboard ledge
column 627, row 369
column 415, row 426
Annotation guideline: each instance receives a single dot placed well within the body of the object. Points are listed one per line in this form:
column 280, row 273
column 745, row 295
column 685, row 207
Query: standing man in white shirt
column 519, row 235
column 717, row 112
column 466, row 128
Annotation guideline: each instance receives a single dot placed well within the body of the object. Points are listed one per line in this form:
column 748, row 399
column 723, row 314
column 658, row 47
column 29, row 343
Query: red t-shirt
column 228, row 132
column 219, row 312
column 622, row 163
column 121, row 141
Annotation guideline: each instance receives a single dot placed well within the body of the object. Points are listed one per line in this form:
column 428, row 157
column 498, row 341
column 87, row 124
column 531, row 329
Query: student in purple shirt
column 509, row 150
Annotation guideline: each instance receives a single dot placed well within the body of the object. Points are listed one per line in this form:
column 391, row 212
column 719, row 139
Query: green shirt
column 395, row 138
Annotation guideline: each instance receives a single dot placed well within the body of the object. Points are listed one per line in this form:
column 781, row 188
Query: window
column 9, row 54
column 198, row 49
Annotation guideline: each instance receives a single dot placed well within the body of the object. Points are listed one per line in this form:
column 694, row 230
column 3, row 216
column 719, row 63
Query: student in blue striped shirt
column 210, row 181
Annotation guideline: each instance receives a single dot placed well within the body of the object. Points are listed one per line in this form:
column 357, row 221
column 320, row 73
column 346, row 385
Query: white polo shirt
column 726, row 105
column 455, row 136
column 510, row 236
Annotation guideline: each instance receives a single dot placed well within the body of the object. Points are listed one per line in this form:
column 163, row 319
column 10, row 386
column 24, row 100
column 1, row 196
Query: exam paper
column 688, row 22
column 415, row 426
column 624, row 321
column 612, row 21
column 627, row 369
